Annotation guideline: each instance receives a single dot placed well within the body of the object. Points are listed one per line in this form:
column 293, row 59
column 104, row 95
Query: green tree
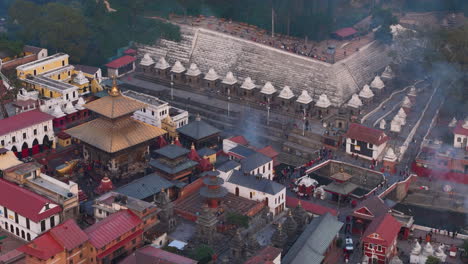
column 383, row 18
column 237, row 219
column 432, row 260
column 203, row 254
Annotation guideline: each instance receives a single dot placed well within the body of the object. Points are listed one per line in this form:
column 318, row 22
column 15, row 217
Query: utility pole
column 229, row 101
column 272, row 21
column 304, row 119
column 172, row 87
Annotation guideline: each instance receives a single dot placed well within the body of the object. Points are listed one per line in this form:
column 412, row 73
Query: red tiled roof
column 23, row 120
column 266, row 255
column 459, row 129
column 42, row 247
column 120, row 62
column 121, row 243
column 310, row 207
column 366, row 134
column 345, row 32
column 240, row 140
column 130, row 51
column 268, row 151
column 150, row 254
column 386, row 226
column 115, row 225
column 25, row 202
column 69, row 234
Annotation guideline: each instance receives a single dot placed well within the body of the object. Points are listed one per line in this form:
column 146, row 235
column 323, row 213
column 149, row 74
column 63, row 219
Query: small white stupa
column 229, row 79
column 193, row 70
column 286, row 93
column 388, row 73
column 146, row 60
column 211, row 75
column 304, row 98
column 323, row 101
column 80, row 79
column 162, row 64
column 399, row 119
column 80, row 103
column 453, row 123
column 406, row 102
column 395, row 125
column 428, row 250
column 402, row 113
column 57, row 112
column 355, row 102
column 178, row 67
column 248, row 84
column 382, row 124
column 366, row 92
column 377, row 83
column 69, row 109
column 465, row 123
column 440, row 254
column 390, row 155
column 268, row 89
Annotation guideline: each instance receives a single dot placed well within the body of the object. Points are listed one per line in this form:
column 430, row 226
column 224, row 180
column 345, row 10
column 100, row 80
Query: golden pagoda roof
column 115, row 135
column 115, row 105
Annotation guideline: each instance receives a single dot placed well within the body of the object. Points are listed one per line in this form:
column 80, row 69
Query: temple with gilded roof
column 116, row 140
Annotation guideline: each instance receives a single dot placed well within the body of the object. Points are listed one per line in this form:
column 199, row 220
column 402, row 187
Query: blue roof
column 228, row 166
column 172, row 151
column 254, row 161
column 198, row 129
column 172, row 170
column 242, row 151
column 147, row 186
column 206, row 152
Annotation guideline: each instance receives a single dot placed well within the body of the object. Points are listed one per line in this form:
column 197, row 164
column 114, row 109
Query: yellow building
column 42, row 66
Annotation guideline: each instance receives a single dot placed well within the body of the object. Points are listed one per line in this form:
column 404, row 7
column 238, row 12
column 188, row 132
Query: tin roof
column 13, row 197
column 23, row 120
column 114, row 106
column 172, row 151
column 69, row 234
column 387, row 229
column 145, row 187
column 198, row 129
column 110, row 228
column 112, row 136
column 366, row 134
column 120, row 62
column 257, row 183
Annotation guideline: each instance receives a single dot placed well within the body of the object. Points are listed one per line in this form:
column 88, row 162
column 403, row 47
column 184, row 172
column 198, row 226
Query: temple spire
column 114, row 90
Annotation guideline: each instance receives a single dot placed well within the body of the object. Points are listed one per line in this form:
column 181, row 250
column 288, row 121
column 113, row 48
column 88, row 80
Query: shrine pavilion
column 340, row 187
column 115, row 139
column 173, row 163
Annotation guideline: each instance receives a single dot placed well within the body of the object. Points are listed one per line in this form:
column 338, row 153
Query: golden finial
column 114, row 91
column 193, row 146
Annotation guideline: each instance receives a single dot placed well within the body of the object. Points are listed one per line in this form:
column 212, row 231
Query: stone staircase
column 211, row 49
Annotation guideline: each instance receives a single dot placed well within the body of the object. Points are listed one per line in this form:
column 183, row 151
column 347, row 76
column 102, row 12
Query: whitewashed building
column 460, row 132
column 156, row 110
column 239, row 181
column 24, row 213
column 27, row 132
column 366, row 142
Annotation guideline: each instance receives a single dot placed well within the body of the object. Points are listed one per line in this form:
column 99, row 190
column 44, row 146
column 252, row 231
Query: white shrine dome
column 406, row 102
column 390, row 155
column 402, row 113
column 307, row 182
column 146, row 60
column 304, row 98
column 416, row 249
column 323, row 101
column 399, row 119
column 248, row 84
column 162, row 64
column 286, row 93
column 453, row 122
column 211, row 75
column 388, row 73
column 79, row 104
column 193, row 70
column 268, row 89
column 57, row 112
column 428, row 250
column 229, row 79
column 80, row 79
column 377, row 83
column 355, row 102
column 69, row 109
column 366, row 92
column 178, row 67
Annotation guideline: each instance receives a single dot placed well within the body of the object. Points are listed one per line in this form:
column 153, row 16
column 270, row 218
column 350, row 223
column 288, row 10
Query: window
column 52, row 221
column 35, row 72
column 5, row 212
column 74, row 94
column 22, row 234
column 66, row 96
column 379, row 248
column 63, row 63
column 269, row 165
column 353, row 141
column 69, row 73
column 45, row 128
column 42, row 225
column 28, row 236
column 369, row 145
column 13, row 139
column 16, row 218
column 100, row 211
column 3, row 143
column 35, row 132
column 17, row 232
column 152, row 113
column 58, row 76
column 459, row 139
column 6, row 226
column 24, row 135
column 251, row 194
column 370, row 246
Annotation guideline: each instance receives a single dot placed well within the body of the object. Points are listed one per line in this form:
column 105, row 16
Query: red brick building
column 380, row 239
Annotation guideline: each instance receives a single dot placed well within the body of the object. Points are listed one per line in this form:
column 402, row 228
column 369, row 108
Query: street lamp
column 304, row 120
column 268, row 111
column 172, row 87
column 229, row 101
